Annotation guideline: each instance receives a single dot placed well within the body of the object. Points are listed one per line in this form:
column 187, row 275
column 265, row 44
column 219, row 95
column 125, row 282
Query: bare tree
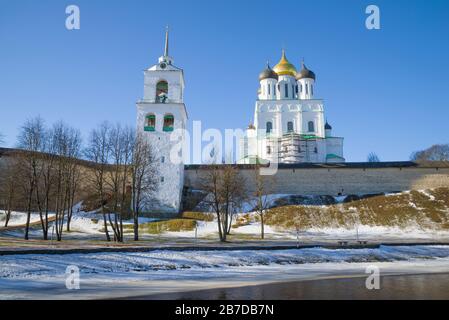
column 372, row 157
column 143, row 178
column 226, row 190
column 67, row 144
column 31, row 139
column 234, row 193
column 97, row 151
column 262, row 190
column 9, row 195
column 121, row 147
column 438, row 152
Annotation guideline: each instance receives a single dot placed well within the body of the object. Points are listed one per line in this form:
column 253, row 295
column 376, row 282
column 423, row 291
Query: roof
column 333, row 156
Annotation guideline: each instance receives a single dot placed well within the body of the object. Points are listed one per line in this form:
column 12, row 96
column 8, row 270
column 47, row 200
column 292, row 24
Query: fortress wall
column 346, row 180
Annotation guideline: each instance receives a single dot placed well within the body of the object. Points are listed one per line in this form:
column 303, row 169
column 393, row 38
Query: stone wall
column 348, row 178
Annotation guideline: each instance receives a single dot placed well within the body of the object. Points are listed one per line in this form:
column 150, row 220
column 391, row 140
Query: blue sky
column 385, row 90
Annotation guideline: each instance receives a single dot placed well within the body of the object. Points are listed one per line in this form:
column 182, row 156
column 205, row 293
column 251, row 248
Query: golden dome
column 284, row 67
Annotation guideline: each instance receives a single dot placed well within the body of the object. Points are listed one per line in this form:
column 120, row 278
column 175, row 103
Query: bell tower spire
column 165, row 58
column 166, row 42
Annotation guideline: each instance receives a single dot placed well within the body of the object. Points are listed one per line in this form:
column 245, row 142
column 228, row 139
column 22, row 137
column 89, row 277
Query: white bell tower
column 161, row 118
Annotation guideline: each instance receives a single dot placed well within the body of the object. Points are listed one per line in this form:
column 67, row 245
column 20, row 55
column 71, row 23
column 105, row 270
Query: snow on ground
column 19, row 218
column 89, row 225
column 131, row 274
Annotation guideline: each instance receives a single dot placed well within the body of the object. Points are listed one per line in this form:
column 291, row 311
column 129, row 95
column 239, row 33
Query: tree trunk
column 27, row 225
column 136, row 227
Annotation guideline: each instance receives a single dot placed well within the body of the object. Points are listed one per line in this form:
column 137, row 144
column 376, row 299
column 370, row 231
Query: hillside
column 427, row 209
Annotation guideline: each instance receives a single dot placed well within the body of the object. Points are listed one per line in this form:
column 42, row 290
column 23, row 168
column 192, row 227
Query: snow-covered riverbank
column 132, row 274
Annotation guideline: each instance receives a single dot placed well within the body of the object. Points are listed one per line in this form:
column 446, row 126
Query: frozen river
column 121, row 275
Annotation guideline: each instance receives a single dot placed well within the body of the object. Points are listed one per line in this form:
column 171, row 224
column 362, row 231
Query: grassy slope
column 428, row 209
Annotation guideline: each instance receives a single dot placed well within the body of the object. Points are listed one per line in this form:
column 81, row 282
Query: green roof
column 333, row 156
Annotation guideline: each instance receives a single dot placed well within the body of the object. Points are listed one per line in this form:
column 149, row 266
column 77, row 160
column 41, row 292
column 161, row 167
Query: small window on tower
column 269, row 89
column 286, row 90
column 268, row 150
column 169, row 122
column 296, row 89
column 311, row 89
column 162, row 159
column 150, row 122
column 307, row 88
column 289, row 127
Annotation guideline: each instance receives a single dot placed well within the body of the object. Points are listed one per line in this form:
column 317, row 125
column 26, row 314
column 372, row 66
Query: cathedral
column 289, row 123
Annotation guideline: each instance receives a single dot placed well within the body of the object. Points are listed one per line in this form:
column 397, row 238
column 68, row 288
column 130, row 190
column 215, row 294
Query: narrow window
column 296, row 89
column 289, row 126
column 269, row 89
column 162, row 179
column 269, row 127
column 311, row 89
column 150, row 122
column 286, row 90
column 162, row 159
column 307, row 88
column 311, row 126
column 169, row 122
column 268, row 150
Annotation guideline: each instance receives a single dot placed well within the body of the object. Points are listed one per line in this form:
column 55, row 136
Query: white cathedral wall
column 335, row 145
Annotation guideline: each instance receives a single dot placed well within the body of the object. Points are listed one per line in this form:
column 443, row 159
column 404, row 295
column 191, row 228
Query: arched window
column 269, row 89
column 169, row 122
column 311, row 89
column 269, row 127
column 307, row 88
column 311, row 126
column 296, row 89
column 289, row 126
column 162, row 91
column 286, row 90
column 150, row 122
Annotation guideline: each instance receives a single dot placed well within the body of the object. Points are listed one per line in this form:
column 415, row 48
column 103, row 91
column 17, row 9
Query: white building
column 160, row 114
column 289, row 123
